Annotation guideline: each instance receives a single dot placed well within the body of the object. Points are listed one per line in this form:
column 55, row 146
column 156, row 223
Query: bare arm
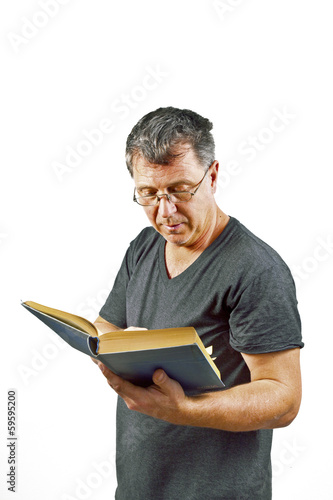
column 104, row 326
column 270, row 400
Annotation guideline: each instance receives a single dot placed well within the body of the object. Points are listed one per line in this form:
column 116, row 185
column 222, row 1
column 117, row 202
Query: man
column 196, row 266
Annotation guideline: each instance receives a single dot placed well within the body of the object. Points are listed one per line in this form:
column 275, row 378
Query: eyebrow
column 173, row 184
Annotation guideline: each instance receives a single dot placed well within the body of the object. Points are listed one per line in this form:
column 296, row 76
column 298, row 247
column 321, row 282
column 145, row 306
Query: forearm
column 270, row 400
column 262, row 404
column 104, row 326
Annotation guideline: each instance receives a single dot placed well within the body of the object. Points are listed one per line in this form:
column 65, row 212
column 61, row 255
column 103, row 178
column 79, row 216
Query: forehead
column 185, row 168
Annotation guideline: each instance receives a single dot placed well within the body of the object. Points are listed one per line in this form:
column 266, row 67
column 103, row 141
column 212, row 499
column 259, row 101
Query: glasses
column 176, row 197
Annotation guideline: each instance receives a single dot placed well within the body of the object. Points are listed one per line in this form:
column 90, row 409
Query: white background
column 65, row 69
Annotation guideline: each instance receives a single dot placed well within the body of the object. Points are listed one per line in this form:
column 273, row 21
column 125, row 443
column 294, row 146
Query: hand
column 164, row 399
column 130, row 328
column 133, row 328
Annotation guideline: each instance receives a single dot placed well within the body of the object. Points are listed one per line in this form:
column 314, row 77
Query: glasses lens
column 180, row 197
column 147, row 200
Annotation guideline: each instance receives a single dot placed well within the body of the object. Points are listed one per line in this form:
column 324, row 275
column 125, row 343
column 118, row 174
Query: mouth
column 173, row 227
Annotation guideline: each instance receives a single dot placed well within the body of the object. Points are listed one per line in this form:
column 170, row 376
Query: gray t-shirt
column 240, row 297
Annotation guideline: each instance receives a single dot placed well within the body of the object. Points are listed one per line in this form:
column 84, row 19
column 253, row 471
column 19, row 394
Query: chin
column 176, row 239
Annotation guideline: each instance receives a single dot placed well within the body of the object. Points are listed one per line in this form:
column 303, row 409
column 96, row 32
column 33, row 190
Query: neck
column 179, row 257
column 214, row 226
column 221, row 221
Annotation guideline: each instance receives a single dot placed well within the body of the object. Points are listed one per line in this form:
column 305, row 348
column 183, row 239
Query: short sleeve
column 114, row 309
column 265, row 317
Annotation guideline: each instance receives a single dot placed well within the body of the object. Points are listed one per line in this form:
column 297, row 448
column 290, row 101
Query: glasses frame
column 168, row 195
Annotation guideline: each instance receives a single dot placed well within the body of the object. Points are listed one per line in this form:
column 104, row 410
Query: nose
column 166, row 208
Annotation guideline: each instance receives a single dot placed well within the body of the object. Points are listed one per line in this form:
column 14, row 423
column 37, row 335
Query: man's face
column 184, row 224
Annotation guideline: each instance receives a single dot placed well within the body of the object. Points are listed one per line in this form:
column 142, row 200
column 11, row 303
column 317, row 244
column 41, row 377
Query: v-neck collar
column 192, row 268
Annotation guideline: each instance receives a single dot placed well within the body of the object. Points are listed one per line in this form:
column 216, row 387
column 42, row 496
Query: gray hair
column 158, row 135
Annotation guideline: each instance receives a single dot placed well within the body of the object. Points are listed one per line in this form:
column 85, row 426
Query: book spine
column 93, row 345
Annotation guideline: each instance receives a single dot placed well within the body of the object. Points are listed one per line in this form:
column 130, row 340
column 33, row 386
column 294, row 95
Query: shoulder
column 147, row 236
column 247, row 245
column 145, row 242
column 249, row 256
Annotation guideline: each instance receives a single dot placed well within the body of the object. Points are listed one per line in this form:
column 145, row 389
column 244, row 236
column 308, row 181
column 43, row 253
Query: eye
column 179, row 189
column 146, row 192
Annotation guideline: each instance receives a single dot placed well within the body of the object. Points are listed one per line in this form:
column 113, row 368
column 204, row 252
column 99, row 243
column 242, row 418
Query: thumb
column 167, row 385
column 160, row 378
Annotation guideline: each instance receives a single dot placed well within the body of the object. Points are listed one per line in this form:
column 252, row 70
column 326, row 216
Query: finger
column 165, row 383
column 160, row 377
column 106, row 371
column 122, row 387
column 133, row 328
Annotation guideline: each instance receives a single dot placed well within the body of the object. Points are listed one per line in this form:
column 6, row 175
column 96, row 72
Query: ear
column 213, row 175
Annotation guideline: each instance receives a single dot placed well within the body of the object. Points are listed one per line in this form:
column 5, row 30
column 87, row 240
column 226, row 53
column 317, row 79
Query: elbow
column 290, row 413
column 286, row 419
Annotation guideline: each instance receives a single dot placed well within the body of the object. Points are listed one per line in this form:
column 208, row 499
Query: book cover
column 187, row 362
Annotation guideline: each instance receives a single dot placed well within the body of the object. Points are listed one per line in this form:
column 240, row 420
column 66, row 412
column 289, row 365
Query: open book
column 136, row 354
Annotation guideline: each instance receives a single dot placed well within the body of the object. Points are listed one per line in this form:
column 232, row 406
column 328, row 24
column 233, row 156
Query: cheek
column 151, row 213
